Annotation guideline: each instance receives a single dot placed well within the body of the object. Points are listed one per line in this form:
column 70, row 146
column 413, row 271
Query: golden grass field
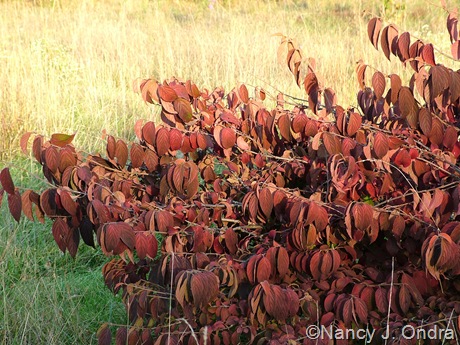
column 67, row 66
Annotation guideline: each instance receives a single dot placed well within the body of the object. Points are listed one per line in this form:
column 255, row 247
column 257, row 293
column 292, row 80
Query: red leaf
column 175, row 139
column 7, row 181
column 403, row 158
column 227, row 137
column 146, row 245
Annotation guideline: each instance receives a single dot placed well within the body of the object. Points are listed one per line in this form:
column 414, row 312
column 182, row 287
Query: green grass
column 68, row 65
column 47, row 297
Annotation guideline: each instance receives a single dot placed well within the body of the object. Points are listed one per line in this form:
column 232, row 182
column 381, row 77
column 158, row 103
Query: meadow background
column 68, row 65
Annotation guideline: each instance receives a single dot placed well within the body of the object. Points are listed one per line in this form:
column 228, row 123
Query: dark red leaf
column 15, row 205
column 7, row 181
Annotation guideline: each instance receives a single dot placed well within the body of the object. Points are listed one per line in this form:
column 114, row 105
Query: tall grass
column 68, row 65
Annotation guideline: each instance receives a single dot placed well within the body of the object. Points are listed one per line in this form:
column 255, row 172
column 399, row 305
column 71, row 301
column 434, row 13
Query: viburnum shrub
column 233, row 223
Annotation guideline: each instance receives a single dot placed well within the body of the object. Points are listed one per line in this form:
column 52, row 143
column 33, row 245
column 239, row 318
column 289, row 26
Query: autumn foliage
column 230, row 222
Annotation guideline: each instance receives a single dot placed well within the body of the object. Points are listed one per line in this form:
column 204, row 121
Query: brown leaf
column 298, row 123
column 37, row 148
column 284, row 127
column 231, row 240
column 381, row 300
column 162, row 141
column 425, row 119
column 167, row 93
column 362, row 215
column 396, row 83
column 428, row 54
column 7, row 181
column 354, row 123
column 332, row 143
column 111, row 146
column 452, row 22
column 403, row 46
column 389, row 40
column 121, row 153
column 439, row 77
column 68, row 203
column 455, row 50
column 378, row 83
column 227, row 137
column 61, row 140
column 52, row 158
column 204, row 288
column 104, row 337
column 408, row 106
column 137, row 155
column 266, row 202
column 450, row 137
column 146, row 245
column 148, row 133
column 183, row 109
column 361, row 74
column 373, row 30
column 23, row 142
column 15, row 205
column 175, row 139
column 61, row 233
column 381, row 145
column 243, row 93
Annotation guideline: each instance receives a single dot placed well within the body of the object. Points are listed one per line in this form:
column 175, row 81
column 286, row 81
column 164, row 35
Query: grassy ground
column 67, row 66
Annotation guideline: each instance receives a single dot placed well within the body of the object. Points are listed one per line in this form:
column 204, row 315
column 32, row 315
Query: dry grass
column 68, row 65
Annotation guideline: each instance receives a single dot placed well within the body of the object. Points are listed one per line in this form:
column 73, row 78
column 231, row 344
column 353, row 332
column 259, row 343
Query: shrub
column 230, row 222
